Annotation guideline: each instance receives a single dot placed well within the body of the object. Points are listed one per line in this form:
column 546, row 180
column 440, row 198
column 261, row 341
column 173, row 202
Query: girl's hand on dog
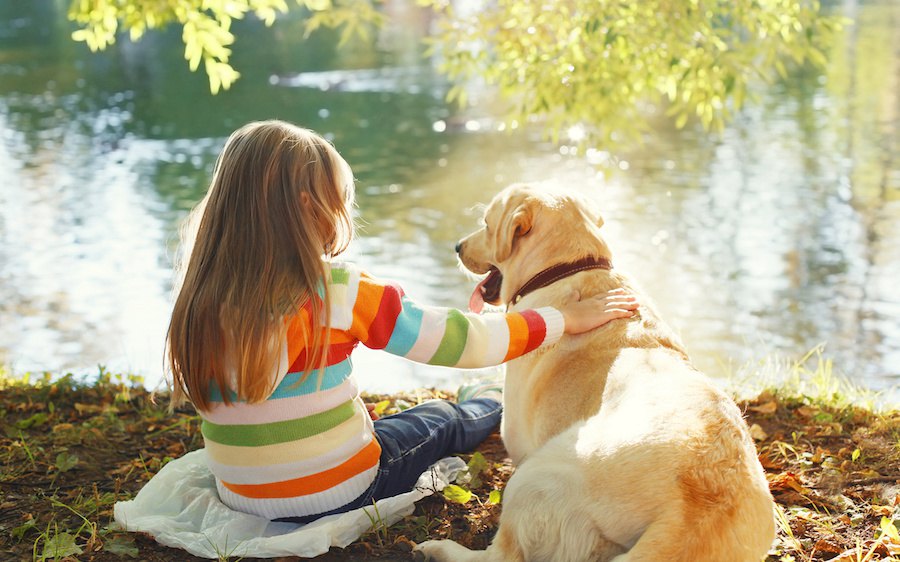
column 584, row 315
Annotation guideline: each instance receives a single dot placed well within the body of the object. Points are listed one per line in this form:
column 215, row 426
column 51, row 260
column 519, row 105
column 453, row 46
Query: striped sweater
column 310, row 447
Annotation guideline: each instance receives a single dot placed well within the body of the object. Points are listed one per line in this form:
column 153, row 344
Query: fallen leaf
column 381, row 407
column 820, row 455
column 757, row 433
column 88, row 408
column 769, row 463
column 807, row 411
column 785, row 481
column 60, row 546
column 767, row 408
column 457, row 494
column 404, row 544
column 121, row 546
column 824, row 545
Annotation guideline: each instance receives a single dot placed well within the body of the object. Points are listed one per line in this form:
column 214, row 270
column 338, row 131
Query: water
column 779, row 235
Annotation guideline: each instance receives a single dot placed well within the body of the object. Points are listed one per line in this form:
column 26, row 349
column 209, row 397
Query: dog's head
column 526, row 230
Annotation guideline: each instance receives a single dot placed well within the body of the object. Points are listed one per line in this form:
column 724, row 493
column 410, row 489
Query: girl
column 264, row 325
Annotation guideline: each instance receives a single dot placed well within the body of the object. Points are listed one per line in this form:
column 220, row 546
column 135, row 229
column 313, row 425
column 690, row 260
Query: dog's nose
column 458, row 247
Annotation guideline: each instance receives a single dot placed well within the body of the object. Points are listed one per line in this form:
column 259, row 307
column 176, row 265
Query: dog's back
column 642, row 444
column 549, row 390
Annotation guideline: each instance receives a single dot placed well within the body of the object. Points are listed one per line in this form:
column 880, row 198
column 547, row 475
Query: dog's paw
column 436, row 551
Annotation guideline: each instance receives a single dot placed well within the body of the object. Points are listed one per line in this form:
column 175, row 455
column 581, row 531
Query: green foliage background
column 596, row 65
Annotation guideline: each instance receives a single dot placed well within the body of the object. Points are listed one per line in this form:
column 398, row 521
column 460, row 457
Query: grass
column 70, row 449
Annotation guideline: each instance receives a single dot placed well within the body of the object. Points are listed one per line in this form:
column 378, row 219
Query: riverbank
column 69, row 450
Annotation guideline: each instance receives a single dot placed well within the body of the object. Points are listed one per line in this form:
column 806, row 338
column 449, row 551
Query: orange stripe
column 295, row 329
column 366, row 307
column 340, row 336
column 314, row 483
column 518, row 336
column 297, row 326
column 537, row 329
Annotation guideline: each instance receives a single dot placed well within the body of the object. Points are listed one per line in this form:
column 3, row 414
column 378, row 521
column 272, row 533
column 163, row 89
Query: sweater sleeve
column 383, row 317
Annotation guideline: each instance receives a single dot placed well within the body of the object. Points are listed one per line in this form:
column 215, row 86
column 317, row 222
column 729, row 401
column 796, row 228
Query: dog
column 624, row 451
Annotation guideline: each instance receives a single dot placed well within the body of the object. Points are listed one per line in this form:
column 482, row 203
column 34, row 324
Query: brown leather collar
column 555, row 273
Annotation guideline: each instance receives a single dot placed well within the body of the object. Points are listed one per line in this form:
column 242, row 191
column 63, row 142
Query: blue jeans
column 414, row 439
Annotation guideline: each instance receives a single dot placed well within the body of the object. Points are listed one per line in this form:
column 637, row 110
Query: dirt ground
column 69, row 451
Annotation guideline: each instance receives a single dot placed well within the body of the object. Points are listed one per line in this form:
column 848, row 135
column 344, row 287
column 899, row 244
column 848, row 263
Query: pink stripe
column 282, row 409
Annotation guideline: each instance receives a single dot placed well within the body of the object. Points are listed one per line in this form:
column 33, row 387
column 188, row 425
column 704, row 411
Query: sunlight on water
column 781, row 234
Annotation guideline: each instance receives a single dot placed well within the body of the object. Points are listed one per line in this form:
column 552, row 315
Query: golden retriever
column 624, row 450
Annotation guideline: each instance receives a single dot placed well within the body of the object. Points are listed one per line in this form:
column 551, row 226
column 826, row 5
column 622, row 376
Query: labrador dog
column 624, row 451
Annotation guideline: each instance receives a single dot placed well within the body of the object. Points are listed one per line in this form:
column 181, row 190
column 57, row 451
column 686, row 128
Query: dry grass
column 69, row 451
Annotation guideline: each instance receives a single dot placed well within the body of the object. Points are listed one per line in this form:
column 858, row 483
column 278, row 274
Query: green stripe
column 454, row 341
column 257, row 435
column 340, row 276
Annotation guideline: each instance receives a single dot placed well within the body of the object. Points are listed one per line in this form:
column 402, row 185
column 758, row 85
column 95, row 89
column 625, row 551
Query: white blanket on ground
column 180, row 508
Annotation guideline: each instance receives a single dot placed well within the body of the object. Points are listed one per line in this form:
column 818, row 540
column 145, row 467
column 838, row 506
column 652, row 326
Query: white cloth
column 180, row 508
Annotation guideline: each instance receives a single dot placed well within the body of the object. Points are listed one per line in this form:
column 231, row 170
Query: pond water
column 776, row 236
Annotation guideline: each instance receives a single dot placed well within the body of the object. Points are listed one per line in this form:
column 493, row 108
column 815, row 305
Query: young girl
column 265, row 323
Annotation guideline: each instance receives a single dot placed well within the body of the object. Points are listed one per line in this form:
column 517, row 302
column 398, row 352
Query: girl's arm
column 384, row 318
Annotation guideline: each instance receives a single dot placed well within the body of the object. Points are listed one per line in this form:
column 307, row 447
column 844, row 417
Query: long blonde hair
column 254, row 253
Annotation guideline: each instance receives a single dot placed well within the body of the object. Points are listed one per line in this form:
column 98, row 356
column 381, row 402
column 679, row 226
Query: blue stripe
column 406, row 330
column 334, row 375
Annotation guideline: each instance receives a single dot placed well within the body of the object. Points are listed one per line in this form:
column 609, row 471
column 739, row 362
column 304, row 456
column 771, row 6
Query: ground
column 70, row 450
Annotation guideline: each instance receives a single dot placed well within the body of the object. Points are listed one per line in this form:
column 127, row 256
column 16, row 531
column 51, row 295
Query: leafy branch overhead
column 598, row 63
column 595, row 65
column 206, row 25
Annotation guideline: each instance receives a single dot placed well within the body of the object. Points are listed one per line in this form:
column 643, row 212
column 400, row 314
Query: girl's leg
column 414, row 439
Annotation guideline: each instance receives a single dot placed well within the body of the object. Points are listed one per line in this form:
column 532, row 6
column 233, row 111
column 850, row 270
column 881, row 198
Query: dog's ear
column 592, row 214
column 587, row 208
column 516, row 223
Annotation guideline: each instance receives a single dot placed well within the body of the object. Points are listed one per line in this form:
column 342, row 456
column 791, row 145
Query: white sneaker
column 482, row 389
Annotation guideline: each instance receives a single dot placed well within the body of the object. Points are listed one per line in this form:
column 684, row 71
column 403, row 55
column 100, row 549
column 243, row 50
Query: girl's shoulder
column 340, row 273
column 344, row 277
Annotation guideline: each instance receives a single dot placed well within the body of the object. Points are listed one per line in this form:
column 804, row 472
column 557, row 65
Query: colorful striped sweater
column 310, row 447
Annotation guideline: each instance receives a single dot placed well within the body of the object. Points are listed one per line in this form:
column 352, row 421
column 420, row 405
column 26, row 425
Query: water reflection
column 779, row 235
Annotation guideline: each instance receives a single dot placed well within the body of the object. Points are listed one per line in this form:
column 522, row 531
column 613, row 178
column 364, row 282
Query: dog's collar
column 560, row 271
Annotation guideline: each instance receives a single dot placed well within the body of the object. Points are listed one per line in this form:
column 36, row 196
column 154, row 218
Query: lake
column 778, row 235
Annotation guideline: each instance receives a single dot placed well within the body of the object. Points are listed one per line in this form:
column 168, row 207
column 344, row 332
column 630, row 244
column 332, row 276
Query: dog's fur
column 624, row 451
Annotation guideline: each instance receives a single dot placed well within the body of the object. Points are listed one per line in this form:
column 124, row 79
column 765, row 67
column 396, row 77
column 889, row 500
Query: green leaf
column 855, row 455
column 65, row 461
column 317, row 5
column 19, row 532
column 495, row 497
column 457, row 494
column 35, row 420
column 121, row 545
column 890, row 529
column 60, row 546
column 380, row 407
column 477, row 464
